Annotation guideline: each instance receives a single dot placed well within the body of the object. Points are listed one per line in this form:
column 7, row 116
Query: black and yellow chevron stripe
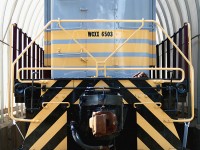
column 150, row 129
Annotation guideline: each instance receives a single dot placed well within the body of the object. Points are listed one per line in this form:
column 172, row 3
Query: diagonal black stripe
column 151, row 92
column 127, row 95
column 148, row 140
column 60, row 135
column 55, row 115
column 75, row 95
column 158, row 125
column 47, row 96
column 123, row 92
column 51, row 93
column 153, row 120
column 44, row 126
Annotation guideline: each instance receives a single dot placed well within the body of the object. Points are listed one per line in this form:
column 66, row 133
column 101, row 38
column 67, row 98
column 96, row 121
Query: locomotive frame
column 107, row 82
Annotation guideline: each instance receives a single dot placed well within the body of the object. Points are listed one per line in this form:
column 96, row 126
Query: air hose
column 78, row 140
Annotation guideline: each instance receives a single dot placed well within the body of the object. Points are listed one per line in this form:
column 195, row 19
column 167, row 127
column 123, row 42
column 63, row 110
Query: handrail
column 67, row 103
column 157, row 81
column 11, row 92
column 159, row 104
column 125, row 41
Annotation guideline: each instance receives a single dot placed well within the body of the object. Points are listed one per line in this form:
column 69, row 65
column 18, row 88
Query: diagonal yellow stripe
column 83, row 34
column 141, row 145
column 151, row 82
column 62, row 145
column 153, row 108
column 125, row 102
column 44, row 139
column 45, row 112
column 99, row 84
column 153, row 133
column 49, row 84
column 103, row 84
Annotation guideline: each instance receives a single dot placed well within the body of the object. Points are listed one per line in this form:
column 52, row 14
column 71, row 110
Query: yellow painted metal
column 118, row 47
column 158, row 104
column 47, row 62
column 62, row 145
column 113, row 51
column 44, row 103
column 88, row 62
column 49, row 83
column 94, row 69
column 153, row 108
column 44, row 139
column 44, row 113
column 153, row 132
column 97, row 47
column 141, row 145
column 78, row 49
column 83, row 34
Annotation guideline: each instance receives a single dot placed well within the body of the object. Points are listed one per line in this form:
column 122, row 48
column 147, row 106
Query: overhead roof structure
column 29, row 15
column 172, row 14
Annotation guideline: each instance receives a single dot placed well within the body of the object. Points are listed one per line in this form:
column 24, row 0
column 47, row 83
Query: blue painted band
column 104, row 54
column 102, row 41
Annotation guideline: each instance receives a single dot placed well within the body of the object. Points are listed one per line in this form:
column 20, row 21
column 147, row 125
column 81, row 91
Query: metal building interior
column 29, row 16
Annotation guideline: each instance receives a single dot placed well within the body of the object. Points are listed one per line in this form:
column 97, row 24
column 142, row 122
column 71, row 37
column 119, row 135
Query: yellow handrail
column 44, row 103
column 11, row 85
column 159, row 104
column 157, row 81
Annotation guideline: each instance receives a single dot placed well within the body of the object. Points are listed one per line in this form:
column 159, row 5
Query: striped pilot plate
column 150, row 129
